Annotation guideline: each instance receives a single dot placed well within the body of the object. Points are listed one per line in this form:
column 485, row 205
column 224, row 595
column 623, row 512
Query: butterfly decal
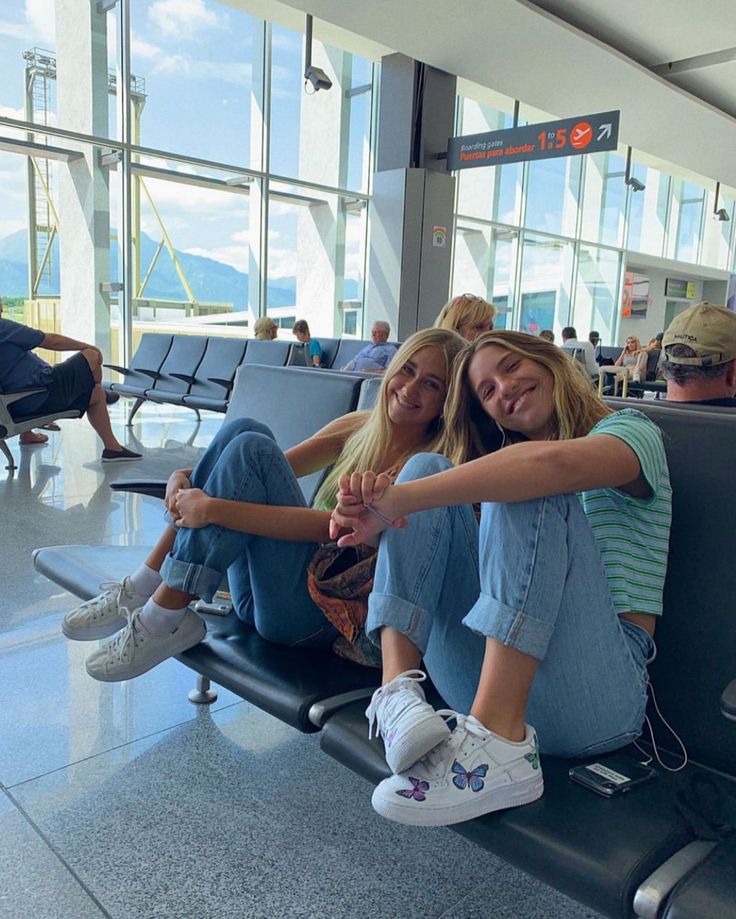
column 418, row 790
column 462, row 778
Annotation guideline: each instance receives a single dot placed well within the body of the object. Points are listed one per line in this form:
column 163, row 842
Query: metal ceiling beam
column 695, row 63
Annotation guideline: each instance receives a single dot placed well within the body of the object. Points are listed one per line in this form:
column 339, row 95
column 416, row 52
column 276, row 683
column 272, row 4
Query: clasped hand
column 191, row 508
column 357, row 493
column 187, row 505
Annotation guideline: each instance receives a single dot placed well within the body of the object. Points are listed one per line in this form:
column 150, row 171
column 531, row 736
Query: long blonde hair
column 467, row 309
column 369, row 446
column 470, row 432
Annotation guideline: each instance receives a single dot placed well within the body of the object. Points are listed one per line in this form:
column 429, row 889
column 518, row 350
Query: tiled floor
column 125, row 800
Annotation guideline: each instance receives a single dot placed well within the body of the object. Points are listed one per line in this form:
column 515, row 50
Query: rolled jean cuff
column 197, row 580
column 387, row 611
column 511, row 627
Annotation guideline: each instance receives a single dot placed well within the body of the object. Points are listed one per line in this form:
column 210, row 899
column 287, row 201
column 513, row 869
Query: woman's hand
column 177, row 480
column 192, row 506
column 365, row 508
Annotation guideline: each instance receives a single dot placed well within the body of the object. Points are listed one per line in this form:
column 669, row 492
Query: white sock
column 160, row 621
column 145, row 580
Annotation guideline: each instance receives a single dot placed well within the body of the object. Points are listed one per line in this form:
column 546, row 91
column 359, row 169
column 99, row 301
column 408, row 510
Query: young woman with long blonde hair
column 241, row 511
column 543, row 615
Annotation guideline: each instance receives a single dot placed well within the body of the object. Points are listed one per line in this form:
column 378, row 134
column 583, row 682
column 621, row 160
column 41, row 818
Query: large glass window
column 197, row 59
column 205, row 218
column 315, row 258
column 596, row 291
column 648, row 210
column 553, row 188
column 319, row 137
column 688, row 212
column 546, row 279
column 604, row 199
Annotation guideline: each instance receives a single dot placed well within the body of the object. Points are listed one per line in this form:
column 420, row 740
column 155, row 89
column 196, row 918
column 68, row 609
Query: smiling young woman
column 241, row 512
column 544, row 614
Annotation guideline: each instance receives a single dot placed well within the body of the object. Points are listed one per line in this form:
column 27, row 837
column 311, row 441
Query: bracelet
column 382, row 517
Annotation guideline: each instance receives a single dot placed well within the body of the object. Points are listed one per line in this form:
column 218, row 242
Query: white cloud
column 41, row 15
column 7, row 112
column 235, row 256
column 183, row 19
column 182, row 66
column 143, row 50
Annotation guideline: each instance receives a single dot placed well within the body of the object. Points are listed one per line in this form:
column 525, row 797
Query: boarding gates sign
column 567, row 137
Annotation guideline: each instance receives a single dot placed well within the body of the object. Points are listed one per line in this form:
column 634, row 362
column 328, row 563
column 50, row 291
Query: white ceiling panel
column 526, row 52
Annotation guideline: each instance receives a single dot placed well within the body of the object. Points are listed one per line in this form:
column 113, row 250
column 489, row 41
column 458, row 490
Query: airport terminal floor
column 125, row 800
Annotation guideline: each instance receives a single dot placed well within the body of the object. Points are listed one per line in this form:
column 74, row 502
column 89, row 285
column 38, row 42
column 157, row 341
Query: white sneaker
column 103, row 615
column 472, row 773
column 135, row 650
column 410, row 727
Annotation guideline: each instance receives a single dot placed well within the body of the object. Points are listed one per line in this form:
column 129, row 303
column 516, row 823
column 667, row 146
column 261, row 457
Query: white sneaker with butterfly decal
column 471, row 773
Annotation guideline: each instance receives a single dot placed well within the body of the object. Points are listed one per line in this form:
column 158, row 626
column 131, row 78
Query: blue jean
column 267, row 577
column 540, row 587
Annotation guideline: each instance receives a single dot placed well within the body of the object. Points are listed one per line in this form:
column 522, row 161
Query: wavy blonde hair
column 467, row 309
column 369, row 446
column 470, row 432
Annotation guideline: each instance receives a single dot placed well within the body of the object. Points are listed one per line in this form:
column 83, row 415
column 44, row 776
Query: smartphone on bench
column 615, row 776
column 220, row 605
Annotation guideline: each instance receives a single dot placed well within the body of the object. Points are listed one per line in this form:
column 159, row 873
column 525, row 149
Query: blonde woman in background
column 469, row 315
column 633, row 358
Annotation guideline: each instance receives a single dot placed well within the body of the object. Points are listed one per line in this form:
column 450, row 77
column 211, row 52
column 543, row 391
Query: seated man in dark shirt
column 699, row 360
column 73, row 384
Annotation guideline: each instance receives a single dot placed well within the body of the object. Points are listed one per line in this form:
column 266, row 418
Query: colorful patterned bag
column 339, row 582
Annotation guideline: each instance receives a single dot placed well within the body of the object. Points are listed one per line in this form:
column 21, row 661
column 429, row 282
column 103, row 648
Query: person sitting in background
column 76, row 383
column 265, row 329
column 314, row 348
column 654, row 344
column 469, row 315
column 700, row 356
column 633, row 358
column 594, row 338
column 571, row 343
column 376, row 356
column 547, row 335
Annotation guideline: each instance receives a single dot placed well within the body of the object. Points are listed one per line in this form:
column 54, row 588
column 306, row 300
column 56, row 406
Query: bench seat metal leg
column 202, row 694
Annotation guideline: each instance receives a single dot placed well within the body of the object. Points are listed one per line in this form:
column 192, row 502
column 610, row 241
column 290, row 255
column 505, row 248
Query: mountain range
column 211, row 281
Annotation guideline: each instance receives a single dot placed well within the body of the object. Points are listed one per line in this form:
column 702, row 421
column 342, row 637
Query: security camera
column 318, row 78
column 635, row 185
column 722, row 214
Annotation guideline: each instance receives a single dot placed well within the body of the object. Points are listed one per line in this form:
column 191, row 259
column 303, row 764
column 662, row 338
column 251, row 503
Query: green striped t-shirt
column 633, row 533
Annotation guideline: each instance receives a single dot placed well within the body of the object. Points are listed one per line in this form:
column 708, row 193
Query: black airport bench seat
column 641, row 847
column 199, row 372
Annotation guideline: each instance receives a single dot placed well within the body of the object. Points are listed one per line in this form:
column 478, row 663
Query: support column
column 84, row 198
column 409, row 259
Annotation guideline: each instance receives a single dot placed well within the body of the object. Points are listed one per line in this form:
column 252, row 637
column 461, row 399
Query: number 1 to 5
column 549, row 140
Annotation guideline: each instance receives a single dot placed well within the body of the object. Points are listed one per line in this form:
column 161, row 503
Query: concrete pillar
column 84, row 198
column 412, row 206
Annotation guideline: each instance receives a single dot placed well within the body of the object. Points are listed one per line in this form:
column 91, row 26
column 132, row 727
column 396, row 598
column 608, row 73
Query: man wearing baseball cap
column 700, row 356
